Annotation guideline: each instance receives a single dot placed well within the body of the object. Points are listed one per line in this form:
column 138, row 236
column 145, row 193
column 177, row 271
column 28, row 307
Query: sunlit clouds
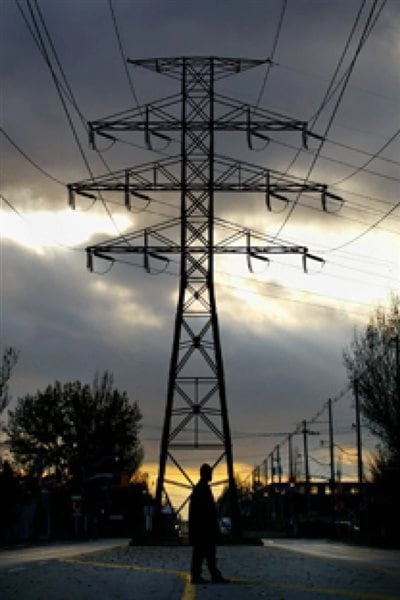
column 40, row 231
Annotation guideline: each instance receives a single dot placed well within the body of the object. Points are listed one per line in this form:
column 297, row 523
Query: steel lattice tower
column 196, row 414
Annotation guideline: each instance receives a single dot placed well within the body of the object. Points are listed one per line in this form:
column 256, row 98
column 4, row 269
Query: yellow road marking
column 189, row 590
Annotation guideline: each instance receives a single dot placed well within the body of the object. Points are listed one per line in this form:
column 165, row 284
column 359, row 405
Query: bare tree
column 372, row 360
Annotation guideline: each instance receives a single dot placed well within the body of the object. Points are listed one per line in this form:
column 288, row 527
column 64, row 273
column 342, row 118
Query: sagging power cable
column 370, row 23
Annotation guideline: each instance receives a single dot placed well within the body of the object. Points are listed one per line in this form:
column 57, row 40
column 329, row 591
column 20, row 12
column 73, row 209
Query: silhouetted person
column 203, row 528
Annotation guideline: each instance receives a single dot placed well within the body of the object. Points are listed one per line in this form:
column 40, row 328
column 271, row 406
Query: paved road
column 16, row 557
column 374, row 557
column 283, row 570
column 56, row 572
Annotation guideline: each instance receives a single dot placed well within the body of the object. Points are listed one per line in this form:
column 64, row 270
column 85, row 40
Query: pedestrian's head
column 206, row 472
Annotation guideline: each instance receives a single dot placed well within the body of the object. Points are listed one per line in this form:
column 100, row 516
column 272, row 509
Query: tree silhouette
column 75, row 429
column 372, row 360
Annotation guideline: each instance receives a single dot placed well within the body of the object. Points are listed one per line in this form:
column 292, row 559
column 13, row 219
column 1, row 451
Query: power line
column 348, row 127
column 323, row 156
column 47, row 59
column 272, row 55
column 43, row 49
column 166, row 271
column 334, row 87
column 363, row 258
column 64, row 86
column 296, row 301
column 124, row 62
column 347, row 218
column 348, row 192
column 367, row 209
column 77, row 108
column 53, row 47
column 238, row 276
column 281, row 240
column 338, row 162
column 10, row 205
column 70, row 95
column 368, row 230
column 366, row 31
column 275, row 285
column 352, row 86
column 122, row 53
column 50, row 176
column 373, row 157
column 152, row 199
column 29, row 159
column 328, row 93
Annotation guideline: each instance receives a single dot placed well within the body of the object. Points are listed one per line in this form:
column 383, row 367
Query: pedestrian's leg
column 197, row 559
column 211, row 558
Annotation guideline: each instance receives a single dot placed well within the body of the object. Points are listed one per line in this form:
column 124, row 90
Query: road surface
column 281, row 569
column 19, row 556
column 374, row 557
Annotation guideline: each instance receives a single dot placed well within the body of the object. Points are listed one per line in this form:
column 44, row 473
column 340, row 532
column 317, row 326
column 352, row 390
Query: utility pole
column 265, row 464
column 256, row 478
column 272, row 468
column 290, row 456
column 306, row 432
column 331, row 446
column 196, row 393
column 332, row 482
column 305, row 452
column 358, row 434
column 278, row 463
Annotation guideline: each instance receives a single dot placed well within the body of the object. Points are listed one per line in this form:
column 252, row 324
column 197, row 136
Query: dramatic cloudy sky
column 282, row 331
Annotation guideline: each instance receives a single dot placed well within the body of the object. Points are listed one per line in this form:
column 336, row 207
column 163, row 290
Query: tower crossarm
column 163, row 116
column 222, row 66
column 152, row 119
column 100, row 251
column 234, row 115
column 152, row 242
column 231, row 175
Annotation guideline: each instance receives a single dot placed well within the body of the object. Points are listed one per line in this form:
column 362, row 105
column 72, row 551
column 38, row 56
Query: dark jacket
column 203, row 519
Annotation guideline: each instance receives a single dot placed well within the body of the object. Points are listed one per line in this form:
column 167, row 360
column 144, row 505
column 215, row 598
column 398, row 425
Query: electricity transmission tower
column 196, row 414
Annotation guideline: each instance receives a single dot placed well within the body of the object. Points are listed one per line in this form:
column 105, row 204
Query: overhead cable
column 368, row 230
column 56, row 82
column 367, row 162
column 373, row 156
column 63, row 85
column 29, row 159
column 366, row 31
column 272, row 55
column 123, row 56
column 46, row 56
column 328, row 94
